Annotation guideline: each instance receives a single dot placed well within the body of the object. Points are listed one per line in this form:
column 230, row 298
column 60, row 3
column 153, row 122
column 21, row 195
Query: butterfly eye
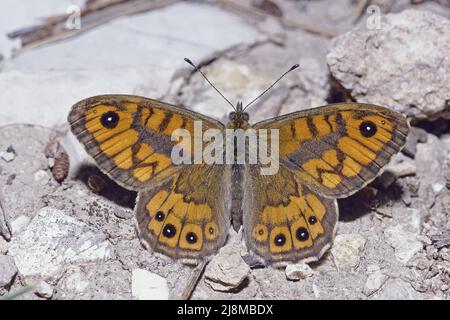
column 245, row 116
column 368, row 129
column 232, row 115
column 110, row 119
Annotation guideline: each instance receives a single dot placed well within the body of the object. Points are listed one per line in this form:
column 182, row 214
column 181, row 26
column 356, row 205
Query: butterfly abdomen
column 237, row 193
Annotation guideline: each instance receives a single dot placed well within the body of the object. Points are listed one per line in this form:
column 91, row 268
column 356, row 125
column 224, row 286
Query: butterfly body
column 185, row 211
column 237, row 120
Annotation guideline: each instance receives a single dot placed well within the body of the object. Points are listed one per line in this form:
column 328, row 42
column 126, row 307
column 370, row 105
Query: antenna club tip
column 189, row 61
column 295, row 66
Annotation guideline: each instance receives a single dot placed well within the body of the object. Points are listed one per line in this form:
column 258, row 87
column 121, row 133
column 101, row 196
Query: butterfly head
column 239, row 118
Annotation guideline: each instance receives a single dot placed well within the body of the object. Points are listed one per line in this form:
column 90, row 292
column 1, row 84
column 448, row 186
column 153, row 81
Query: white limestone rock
column 346, row 251
column 403, row 237
column 404, row 64
column 52, row 240
column 8, row 270
column 146, row 285
column 298, row 271
column 227, row 270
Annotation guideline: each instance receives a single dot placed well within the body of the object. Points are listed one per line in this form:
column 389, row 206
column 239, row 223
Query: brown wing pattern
column 325, row 153
column 187, row 216
column 284, row 220
column 129, row 137
column 338, row 149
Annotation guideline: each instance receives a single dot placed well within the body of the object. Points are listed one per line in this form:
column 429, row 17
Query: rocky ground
column 76, row 239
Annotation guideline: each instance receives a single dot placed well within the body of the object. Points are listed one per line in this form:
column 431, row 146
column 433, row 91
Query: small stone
column 253, row 261
column 397, row 289
column 423, row 263
column 375, row 280
column 42, row 177
column 397, row 170
column 44, row 290
column 8, row 270
column 298, row 271
column 7, row 156
column 404, row 237
column 146, row 285
column 346, row 250
column 403, row 169
column 438, row 186
column 432, row 253
column 123, row 213
column 430, row 156
column 415, row 136
column 19, row 223
column 227, row 270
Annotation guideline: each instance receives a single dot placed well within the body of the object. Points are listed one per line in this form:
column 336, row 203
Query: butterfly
column 185, row 211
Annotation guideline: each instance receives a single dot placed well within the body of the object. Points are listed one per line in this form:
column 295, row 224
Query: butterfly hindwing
column 129, row 137
column 284, row 220
column 187, row 216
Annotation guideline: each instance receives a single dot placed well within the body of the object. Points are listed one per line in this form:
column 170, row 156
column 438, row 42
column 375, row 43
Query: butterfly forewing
column 129, row 137
column 338, row 149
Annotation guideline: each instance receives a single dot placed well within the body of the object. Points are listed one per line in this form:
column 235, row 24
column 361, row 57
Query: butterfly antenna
column 198, row 69
column 292, row 68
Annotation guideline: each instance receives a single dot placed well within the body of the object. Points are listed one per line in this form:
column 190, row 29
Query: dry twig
column 53, row 29
column 193, row 280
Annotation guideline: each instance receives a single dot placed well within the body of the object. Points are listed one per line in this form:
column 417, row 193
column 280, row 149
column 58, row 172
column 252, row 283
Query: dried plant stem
column 193, row 280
